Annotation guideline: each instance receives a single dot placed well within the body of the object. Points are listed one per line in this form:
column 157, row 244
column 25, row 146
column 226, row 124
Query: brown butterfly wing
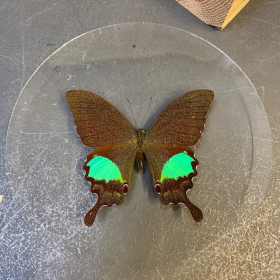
column 109, row 167
column 182, row 122
column 98, row 123
column 166, row 149
column 109, row 192
column 172, row 190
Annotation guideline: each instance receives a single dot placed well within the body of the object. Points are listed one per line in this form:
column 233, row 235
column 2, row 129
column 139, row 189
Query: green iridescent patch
column 101, row 168
column 177, row 166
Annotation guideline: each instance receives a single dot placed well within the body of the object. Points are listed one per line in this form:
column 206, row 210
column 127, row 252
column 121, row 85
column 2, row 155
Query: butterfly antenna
column 132, row 113
column 147, row 111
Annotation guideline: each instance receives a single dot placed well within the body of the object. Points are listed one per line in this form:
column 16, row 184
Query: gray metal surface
column 39, row 243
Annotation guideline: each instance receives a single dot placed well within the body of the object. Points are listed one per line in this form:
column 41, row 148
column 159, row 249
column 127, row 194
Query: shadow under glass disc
column 45, row 155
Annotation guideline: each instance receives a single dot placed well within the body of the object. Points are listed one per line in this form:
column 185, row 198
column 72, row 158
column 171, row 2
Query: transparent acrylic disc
column 141, row 239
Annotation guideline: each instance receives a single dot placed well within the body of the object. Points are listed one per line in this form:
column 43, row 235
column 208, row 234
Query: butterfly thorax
column 141, row 135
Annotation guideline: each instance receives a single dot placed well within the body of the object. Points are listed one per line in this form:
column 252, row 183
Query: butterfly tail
column 195, row 211
column 175, row 191
column 91, row 214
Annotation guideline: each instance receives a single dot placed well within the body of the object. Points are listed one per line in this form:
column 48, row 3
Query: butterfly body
column 165, row 145
column 141, row 133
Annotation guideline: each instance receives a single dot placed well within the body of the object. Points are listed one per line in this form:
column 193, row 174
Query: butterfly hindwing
column 109, row 170
column 172, row 169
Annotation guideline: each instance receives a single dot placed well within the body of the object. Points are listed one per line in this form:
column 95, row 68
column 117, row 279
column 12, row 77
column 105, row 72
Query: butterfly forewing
column 98, row 123
column 182, row 121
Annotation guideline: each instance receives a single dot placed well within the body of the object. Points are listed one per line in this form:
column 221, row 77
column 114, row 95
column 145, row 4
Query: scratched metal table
column 44, row 196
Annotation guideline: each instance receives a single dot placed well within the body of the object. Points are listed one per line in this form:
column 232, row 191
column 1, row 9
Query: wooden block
column 214, row 12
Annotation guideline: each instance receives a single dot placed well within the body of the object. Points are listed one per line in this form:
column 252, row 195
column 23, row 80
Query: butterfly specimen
column 118, row 145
